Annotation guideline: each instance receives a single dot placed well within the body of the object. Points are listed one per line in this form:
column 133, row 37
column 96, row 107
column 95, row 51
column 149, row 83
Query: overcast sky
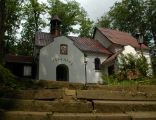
column 97, row 8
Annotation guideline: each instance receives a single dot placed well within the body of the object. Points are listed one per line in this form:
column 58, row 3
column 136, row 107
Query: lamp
column 140, row 39
column 85, row 62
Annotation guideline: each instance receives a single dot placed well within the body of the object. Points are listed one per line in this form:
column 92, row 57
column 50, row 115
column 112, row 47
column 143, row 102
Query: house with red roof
column 75, row 59
column 21, row 66
column 119, row 43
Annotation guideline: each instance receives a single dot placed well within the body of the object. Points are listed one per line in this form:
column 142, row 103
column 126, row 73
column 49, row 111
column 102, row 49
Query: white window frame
column 27, row 71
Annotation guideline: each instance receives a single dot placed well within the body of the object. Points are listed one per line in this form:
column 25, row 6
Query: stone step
column 20, row 115
column 142, row 115
column 52, row 84
column 115, row 95
column 46, row 106
column 105, row 93
column 44, row 94
column 128, row 88
column 97, row 106
column 123, row 106
column 49, row 94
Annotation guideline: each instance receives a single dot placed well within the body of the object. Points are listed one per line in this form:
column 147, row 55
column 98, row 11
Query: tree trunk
column 154, row 36
column 2, row 30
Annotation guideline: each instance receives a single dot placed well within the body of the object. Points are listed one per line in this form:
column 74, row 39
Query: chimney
column 55, row 26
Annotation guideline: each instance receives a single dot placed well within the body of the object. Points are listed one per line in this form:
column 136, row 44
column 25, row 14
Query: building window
column 27, row 70
column 63, row 49
column 97, row 63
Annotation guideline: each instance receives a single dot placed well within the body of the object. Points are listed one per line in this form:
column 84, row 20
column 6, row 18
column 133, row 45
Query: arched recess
column 97, row 63
column 62, row 73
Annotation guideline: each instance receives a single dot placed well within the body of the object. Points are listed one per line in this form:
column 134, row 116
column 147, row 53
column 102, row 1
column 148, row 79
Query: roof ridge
column 116, row 30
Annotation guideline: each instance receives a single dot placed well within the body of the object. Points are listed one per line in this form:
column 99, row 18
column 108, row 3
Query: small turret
column 55, row 26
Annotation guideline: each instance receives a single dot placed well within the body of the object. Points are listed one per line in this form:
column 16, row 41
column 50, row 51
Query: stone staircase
column 70, row 101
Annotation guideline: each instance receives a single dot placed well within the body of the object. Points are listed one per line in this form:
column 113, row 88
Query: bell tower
column 55, row 26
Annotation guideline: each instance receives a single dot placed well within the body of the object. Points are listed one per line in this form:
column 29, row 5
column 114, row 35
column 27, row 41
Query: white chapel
column 81, row 60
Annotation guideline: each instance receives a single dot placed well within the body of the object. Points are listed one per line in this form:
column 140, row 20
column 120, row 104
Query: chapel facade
column 81, row 60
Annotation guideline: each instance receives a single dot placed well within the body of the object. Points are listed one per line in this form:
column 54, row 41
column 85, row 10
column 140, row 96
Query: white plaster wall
column 94, row 76
column 129, row 50
column 102, row 39
column 148, row 57
column 50, row 58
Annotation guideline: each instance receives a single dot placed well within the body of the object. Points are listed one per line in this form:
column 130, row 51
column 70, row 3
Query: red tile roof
column 89, row 45
column 85, row 44
column 121, row 38
column 43, row 39
column 18, row 59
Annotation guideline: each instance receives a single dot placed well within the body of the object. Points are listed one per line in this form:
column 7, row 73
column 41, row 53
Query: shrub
column 142, row 65
column 132, row 66
column 7, row 78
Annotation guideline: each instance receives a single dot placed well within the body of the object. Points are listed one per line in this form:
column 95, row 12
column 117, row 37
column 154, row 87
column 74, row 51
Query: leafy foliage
column 104, row 21
column 112, row 80
column 86, row 29
column 7, row 78
column 151, row 15
column 132, row 66
column 71, row 14
column 154, row 65
column 142, row 65
column 32, row 22
column 9, row 22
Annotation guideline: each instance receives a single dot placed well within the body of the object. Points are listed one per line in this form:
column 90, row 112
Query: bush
column 153, row 58
column 7, row 78
column 132, row 66
column 113, row 80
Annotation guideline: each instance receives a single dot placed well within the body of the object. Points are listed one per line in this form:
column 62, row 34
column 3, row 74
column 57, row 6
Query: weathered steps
column 51, row 94
column 115, row 95
column 133, row 88
column 97, row 106
column 46, row 106
column 50, row 84
column 142, row 115
column 68, row 101
column 123, row 106
column 34, row 94
column 20, row 115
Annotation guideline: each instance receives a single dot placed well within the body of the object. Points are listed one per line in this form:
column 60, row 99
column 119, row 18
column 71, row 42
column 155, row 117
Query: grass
column 111, row 80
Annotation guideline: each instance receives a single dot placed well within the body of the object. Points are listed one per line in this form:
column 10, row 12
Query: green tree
column 9, row 22
column 86, row 29
column 104, row 21
column 151, row 14
column 32, row 22
column 71, row 14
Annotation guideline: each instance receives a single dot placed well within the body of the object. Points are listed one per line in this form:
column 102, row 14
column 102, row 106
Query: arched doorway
column 62, row 73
